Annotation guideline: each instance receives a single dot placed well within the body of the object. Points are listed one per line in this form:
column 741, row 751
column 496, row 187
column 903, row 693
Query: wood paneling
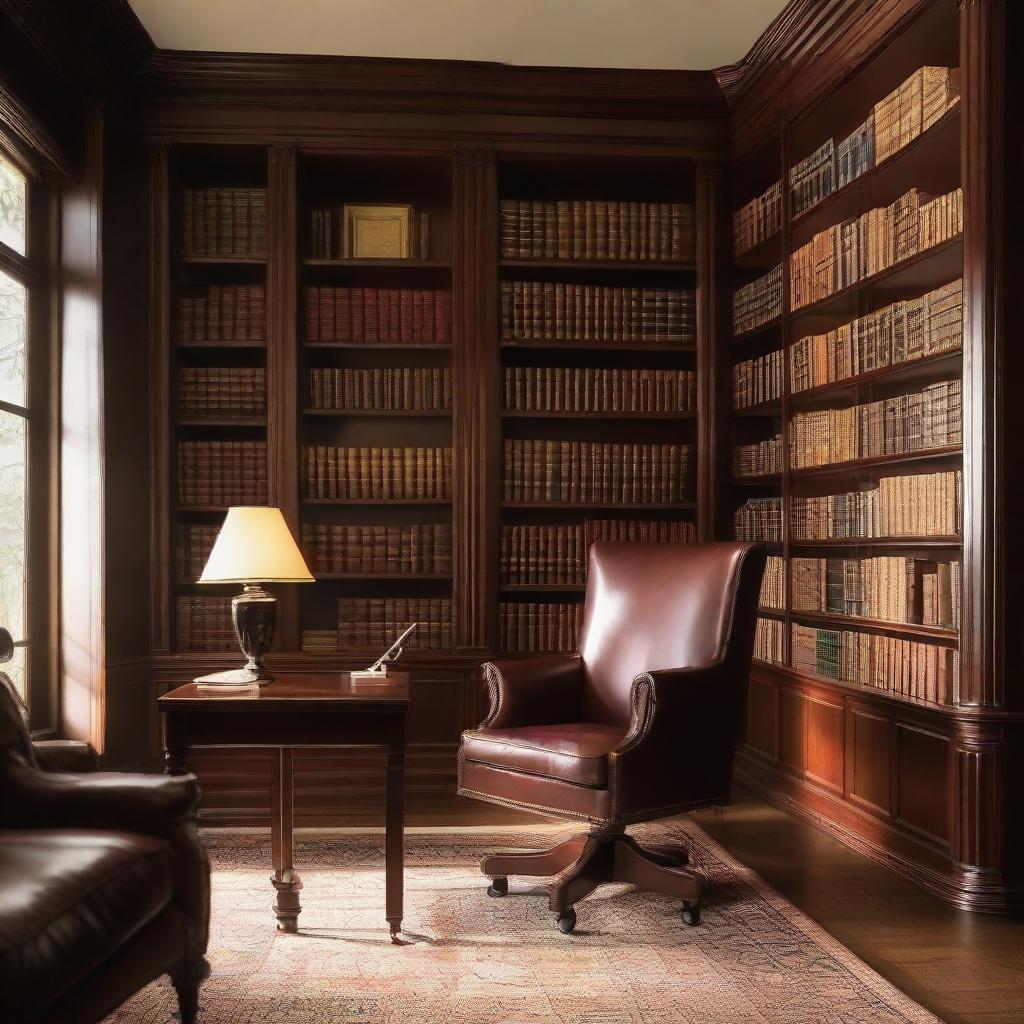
column 762, row 717
column 868, row 761
column 824, row 742
column 792, row 729
column 922, row 781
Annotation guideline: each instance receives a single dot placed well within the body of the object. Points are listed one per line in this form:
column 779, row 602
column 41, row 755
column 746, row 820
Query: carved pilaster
column 977, row 794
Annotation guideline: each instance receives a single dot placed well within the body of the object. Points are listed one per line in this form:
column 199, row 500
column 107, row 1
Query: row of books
column 195, row 542
column 773, row 586
column 223, row 312
column 758, row 519
column 377, row 315
column 557, row 311
column 203, row 624
column 225, row 222
column 769, row 640
column 222, row 391
column 926, row 419
column 893, row 123
column 888, row 588
column 596, row 229
column 857, row 249
column 422, row 548
column 376, row 473
column 757, row 380
column 578, row 389
column 549, row 555
column 756, row 303
column 759, row 458
column 538, row 628
column 899, row 333
column 585, row 471
column 757, row 220
column 908, row 668
column 925, row 505
column 221, row 473
column 383, row 388
column 374, row 623
column 327, row 238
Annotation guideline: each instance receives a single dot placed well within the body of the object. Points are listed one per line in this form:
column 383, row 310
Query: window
column 15, row 413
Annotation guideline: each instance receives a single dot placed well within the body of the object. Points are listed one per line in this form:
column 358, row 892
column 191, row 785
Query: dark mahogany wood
column 299, row 711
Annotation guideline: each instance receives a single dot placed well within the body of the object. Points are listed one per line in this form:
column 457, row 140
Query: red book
column 417, row 315
column 312, row 308
column 383, row 314
column 326, row 314
column 406, row 318
column 395, row 301
column 356, row 309
column 370, row 315
column 443, row 317
column 343, row 314
column 429, row 316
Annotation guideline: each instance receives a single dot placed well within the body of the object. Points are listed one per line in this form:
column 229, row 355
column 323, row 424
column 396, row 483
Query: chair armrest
column 533, row 691
column 65, row 756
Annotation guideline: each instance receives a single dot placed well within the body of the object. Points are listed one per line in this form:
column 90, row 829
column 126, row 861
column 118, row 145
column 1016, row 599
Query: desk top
column 295, row 691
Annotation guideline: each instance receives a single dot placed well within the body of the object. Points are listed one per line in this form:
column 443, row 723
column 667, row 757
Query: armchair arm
column 65, row 756
column 533, row 691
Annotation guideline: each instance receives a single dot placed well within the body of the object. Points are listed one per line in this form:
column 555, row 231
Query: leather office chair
column 104, row 884
column 640, row 724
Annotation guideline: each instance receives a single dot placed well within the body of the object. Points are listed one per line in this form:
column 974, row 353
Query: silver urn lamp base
column 253, row 614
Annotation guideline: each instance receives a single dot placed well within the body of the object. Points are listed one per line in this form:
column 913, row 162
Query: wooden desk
column 323, row 710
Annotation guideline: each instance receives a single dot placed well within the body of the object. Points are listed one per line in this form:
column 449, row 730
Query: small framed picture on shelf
column 377, row 232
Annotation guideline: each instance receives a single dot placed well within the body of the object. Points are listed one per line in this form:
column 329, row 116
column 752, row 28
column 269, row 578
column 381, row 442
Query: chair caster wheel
column 567, row 921
column 691, row 912
column 498, row 887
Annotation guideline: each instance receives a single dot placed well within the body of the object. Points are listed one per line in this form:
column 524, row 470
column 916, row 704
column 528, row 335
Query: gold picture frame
column 381, row 231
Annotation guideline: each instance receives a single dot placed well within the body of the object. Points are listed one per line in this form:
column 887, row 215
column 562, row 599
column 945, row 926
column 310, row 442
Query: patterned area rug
column 470, row 959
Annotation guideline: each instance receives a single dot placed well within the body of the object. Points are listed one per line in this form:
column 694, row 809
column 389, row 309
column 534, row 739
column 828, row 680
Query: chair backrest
column 14, row 734
column 660, row 606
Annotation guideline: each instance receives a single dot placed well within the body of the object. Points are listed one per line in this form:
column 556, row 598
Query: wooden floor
column 966, row 968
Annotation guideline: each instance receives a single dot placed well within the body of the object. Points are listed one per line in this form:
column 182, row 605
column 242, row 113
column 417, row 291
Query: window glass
column 12, row 523
column 13, row 302
column 16, row 669
column 12, row 206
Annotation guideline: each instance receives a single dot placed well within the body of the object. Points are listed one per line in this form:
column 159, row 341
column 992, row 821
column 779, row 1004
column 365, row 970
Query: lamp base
column 233, row 677
column 254, row 614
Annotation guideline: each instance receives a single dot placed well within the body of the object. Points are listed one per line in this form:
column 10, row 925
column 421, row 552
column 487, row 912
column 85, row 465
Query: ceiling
column 679, row 34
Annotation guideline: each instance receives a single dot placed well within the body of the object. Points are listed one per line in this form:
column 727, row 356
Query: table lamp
column 254, row 547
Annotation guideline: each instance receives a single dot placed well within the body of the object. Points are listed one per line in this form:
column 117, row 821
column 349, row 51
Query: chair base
column 582, row 864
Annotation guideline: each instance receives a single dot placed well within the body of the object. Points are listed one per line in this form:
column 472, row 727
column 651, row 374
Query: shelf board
column 881, row 542
column 659, row 266
column 618, row 346
column 844, row 468
column 225, row 260
column 681, row 506
column 413, row 577
column 376, row 501
column 765, row 255
column 410, row 263
column 903, row 629
column 390, row 345
column 892, row 372
column 203, row 508
column 944, row 251
column 222, row 421
column 247, row 343
column 378, row 412
column 540, row 415
column 771, row 408
column 754, row 332
column 770, row 613
column 764, row 480
column 944, row 131
column 544, row 588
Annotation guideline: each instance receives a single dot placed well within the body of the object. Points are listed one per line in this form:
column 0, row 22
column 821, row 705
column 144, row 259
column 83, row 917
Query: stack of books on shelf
column 556, row 311
column 757, row 303
column 759, row 459
column 374, row 623
column 888, row 588
column 577, row 389
column 400, row 388
column 918, row 422
column 420, row 549
column 377, row 473
column 377, row 315
column 222, row 473
column 854, row 250
column 590, row 472
column 222, row 391
column 758, row 220
column 905, row 331
column 597, row 229
column 543, row 555
column 757, row 380
column 773, row 586
column 204, row 624
column 223, row 313
column 648, row 531
column 908, row 668
column 855, row 155
column 926, row 505
column 225, row 222
column 192, row 551
column 812, row 178
column 327, row 237
column 539, row 627
column 913, row 108
column 759, row 519
column 769, row 640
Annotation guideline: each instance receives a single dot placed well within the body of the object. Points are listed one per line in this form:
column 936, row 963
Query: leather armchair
column 105, row 883
column 641, row 723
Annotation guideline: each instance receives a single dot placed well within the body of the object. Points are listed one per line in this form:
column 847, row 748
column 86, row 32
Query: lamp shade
column 255, row 546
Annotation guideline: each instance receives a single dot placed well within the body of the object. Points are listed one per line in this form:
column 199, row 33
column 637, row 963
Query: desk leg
column 282, row 820
column 394, row 855
column 176, row 743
